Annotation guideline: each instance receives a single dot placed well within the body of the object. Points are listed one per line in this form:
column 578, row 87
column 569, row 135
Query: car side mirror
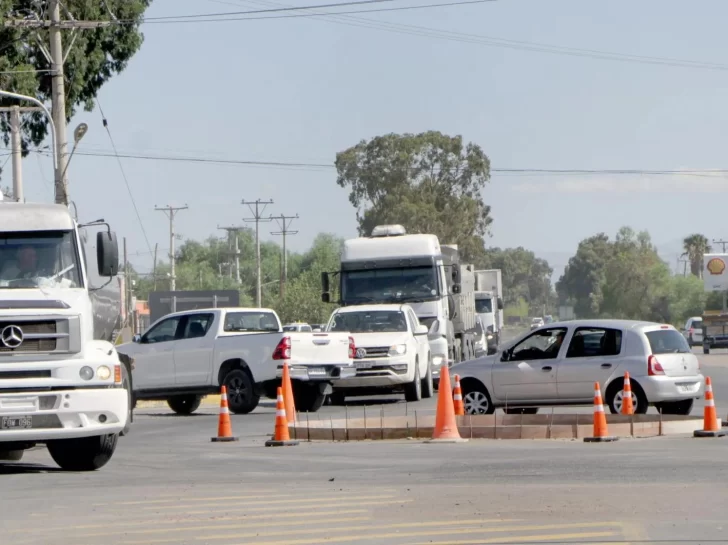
column 421, row 330
column 136, row 339
column 107, row 254
column 506, row 355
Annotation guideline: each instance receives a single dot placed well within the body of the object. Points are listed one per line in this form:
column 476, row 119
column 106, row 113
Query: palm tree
column 695, row 246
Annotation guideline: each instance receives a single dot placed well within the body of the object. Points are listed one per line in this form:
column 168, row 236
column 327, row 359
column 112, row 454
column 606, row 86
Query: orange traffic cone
column 600, row 420
column 457, row 398
column 224, row 429
column 288, row 394
column 281, row 438
column 627, row 405
column 446, row 427
column 711, row 428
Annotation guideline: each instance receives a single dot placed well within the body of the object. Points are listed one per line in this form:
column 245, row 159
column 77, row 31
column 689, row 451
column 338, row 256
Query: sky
column 300, row 89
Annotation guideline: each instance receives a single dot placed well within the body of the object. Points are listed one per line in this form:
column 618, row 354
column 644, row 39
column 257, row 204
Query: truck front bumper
column 318, row 373
column 379, row 373
column 62, row 414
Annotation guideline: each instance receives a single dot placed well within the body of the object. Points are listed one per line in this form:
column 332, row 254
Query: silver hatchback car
column 558, row 364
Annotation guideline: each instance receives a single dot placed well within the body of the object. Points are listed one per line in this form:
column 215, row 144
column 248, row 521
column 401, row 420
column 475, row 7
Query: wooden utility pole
column 284, row 224
column 257, row 218
column 56, row 56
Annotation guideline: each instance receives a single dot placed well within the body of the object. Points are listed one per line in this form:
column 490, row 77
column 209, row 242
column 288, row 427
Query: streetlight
column 78, row 134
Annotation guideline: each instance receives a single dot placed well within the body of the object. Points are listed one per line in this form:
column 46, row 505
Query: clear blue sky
column 301, row 89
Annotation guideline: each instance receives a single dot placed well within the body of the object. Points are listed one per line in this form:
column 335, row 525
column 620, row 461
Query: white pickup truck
column 392, row 351
column 187, row 355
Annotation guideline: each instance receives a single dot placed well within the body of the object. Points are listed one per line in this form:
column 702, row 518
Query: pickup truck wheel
column 428, row 386
column 706, row 349
column 184, row 405
column 307, row 398
column 84, row 454
column 126, row 383
column 241, row 394
column 676, row 407
column 413, row 390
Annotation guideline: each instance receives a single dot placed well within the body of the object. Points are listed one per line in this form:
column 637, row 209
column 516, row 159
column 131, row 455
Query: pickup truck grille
column 377, row 352
column 35, row 335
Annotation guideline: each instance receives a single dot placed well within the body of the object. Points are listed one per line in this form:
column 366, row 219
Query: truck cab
column 61, row 381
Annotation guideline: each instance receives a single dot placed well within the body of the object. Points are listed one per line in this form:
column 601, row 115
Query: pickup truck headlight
column 397, row 349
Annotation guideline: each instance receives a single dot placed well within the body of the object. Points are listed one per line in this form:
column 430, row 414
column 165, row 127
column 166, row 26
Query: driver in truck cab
column 25, row 266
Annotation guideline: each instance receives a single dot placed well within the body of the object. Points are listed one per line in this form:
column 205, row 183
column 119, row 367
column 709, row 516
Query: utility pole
column 233, row 232
column 154, row 267
column 684, row 264
column 16, row 146
column 170, row 212
column 257, row 218
column 57, row 57
column 722, row 243
column 284, row 224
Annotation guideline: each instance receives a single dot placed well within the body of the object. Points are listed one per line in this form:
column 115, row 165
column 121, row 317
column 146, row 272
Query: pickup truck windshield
column 251, row 321
column 39, row 259
column 483, row 306
column 379, row 321
column 375, row 285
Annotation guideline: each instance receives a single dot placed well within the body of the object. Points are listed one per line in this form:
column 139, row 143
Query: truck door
column 193, row 351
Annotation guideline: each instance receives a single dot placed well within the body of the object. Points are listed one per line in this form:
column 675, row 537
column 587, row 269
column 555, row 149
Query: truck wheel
column 683, row 408
column 337, row 398
column 126, row 383
column 84, row 454
column 241, row 394
column 428, row 386
column 184, row 405
column 706, row 349
column 413, row 390
column 307, row 397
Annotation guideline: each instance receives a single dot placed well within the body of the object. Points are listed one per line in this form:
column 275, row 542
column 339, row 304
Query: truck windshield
column 39, row 259
column 401, row 285
column 483, row 306
column 379, row 321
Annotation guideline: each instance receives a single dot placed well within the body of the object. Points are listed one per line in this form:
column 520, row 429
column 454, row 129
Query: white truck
column 62, row 382
column 392, row 352
column 489, row 305
column 391, row 266
column 187, row 355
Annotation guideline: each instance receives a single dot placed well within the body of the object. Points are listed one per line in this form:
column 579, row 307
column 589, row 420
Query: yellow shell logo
column 715, row 266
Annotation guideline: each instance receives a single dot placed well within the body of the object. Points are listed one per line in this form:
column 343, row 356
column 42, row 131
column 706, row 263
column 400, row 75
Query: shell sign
column 715, row 272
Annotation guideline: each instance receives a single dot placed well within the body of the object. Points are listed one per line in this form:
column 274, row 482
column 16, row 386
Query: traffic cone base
column 703, row 433
column 224, row 429
column 711, row 427
column 601, row 435
column 446, row 426
column 281, row 437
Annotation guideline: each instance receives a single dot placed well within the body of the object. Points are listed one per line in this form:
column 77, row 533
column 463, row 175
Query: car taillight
column 352, row 348
column 283, row 350
column 654, row 367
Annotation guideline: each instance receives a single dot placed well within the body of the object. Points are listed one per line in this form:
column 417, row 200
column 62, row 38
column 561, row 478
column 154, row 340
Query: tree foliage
column 428, row 182
column 626, row 278
column 695, row 247
column 95, row 57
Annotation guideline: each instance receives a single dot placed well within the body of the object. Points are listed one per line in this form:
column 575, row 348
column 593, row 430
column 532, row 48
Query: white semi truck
column 489, row 305
column 62, row 382
column 391, row 266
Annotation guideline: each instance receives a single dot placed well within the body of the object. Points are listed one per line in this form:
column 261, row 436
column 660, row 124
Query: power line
column 257, row 218
column 123, row 175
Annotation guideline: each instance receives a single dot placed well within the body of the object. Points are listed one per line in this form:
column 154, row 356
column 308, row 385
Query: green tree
column 428, row 182
column 583, row 280
column 96, row 55
column 695, row 246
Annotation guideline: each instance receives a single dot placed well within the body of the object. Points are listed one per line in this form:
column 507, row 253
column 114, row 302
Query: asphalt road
column 168, row 484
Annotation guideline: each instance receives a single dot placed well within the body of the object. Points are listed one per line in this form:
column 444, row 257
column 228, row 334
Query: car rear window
column 667, row 341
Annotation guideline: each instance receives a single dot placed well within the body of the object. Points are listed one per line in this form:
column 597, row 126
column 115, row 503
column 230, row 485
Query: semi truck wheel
column 84, row 454
column 307, row 397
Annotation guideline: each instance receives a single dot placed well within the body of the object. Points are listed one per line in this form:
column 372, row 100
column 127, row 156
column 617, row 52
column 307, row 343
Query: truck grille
column 377, row 352
column 38, row 336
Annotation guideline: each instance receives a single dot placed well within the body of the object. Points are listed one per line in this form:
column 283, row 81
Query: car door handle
column 606, row 365
column 546, row 368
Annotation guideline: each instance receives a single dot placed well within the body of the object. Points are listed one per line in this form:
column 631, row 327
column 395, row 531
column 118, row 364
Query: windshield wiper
column 64, row 271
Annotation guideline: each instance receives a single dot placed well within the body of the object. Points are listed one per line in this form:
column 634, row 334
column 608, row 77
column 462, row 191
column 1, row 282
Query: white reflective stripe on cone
column 457, row 397
column 224, row 410
column 223, row 397
column 279, row 399
column 710, row 402
column 599, row 408
column 281, row 412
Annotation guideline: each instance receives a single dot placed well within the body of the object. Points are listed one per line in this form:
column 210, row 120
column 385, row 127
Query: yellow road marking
column 634, row 532
column 507, row 539
column 307, row 501
column 273, row 510
column 345, row 503
column 323, row 529
column 214, row 527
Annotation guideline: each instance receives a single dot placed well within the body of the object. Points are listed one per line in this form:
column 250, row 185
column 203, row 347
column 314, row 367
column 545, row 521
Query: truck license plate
column 16, row 422
column 364, row 364
column 317, row 371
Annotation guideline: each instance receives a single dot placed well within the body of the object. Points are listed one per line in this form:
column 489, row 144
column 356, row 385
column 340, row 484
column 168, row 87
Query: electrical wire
column 123, row 175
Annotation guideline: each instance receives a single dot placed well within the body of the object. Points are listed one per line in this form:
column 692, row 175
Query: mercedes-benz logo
column 361, row 353
column 12, row 336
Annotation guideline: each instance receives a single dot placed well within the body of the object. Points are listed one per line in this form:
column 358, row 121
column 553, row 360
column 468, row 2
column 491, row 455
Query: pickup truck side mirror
column 136, row 338
column 421, row 330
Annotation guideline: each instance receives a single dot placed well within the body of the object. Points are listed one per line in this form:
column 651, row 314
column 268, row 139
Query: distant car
column 694, row 331
column 559, row 364
column 297, row 328
column 548, row 319
column 536, row 323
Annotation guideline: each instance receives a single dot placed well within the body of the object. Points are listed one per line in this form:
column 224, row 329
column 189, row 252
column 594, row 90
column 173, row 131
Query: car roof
column 370, row 308
column 218, row 309
column 611, row 323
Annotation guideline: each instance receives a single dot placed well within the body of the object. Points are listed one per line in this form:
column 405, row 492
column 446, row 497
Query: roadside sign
column 715, row 272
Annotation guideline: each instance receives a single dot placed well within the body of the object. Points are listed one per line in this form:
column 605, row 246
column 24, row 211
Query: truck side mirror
column 136, row 338
column 325, row 282
column 326, row 297
column 456, row 288
column 500, row 303
column 107, row 253
column 456, row 274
